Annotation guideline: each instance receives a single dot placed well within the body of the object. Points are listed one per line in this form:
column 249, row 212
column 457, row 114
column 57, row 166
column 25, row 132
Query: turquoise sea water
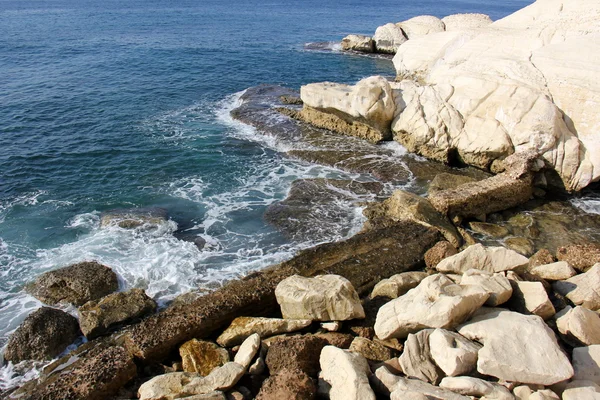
column 125, row 104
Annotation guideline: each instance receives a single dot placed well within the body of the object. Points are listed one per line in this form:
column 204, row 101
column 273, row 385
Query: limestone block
column 453, row 353
column 347, row 373
column 580, row 324
column 388, row 38
column 582, row 289
column 242, row 327
column 497, row 285
column 416, row 360
column 490, row 259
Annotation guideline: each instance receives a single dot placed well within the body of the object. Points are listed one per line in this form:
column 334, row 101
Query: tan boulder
column 397, row 285
column 580, row 324
column 436, row 303
column 242, row 327
column 531, row 298
column 371, row 350
column 222, row 378
column 248, row 350
column 416, row 360
column 470, row 386
column 399, row 387
column 347, row 373
column 580, row 256
column 202, row 357
column 582, row 289
column 421, row 25
column 497, row 285
column 461, row 22
column 524, row 392
column 364, row 44
column 503, row 355
column 557, row 271
column 322, row 298
column 581, row 390
column 453, row 353
column 388, row 38
column 437, row 253
column 165, row 386
column 490, row 259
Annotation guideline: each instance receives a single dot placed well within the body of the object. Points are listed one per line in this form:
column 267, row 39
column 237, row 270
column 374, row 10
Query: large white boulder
column 322, row 298
column 582, row 289
column 517, row 347
column 388, row 38
column 579, row 323
column 436, row 303
column 461, row 22
column 557, row 271
column 453, row 353
column 421, row 25
column 490, row 259
column 525, row 82
column 347, row 373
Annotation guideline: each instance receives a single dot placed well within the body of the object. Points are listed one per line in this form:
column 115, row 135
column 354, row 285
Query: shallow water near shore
column 109, row 105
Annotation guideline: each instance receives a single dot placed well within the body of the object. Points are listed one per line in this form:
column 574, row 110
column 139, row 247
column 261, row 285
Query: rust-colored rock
column 202, row 357
column 289, row 385
column 437, row 253
column 339, row 340
column 579, row 256
column 542, row 257
column 296, row 352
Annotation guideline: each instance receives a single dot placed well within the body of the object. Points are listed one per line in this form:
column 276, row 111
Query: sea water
column 111, row 104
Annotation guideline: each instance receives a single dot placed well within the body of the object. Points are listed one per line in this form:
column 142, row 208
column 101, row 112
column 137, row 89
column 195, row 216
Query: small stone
column 487, row 229
column 542, row 257
column 331, row 326
column 288, row 384
column 370, row 350
column 258, row 367
column 582, row 289
column 580, row 324
column 296, row 352
column 531, row 298
column 43, row 335
column 248, row 350
column 202, row 357
column 222, row 378
column 363, row 331
column 165, row 386
column 490, row 259
column 242, row 327
column 469, row 386
column 397, row 285
column 322, row 298
column 339, row 340
column 416, row 360
column 580, row 256
column 437, row 253
column 586, row 363
column 453, row 353
column 347, row 373
column 557, row 271
column 497, row 285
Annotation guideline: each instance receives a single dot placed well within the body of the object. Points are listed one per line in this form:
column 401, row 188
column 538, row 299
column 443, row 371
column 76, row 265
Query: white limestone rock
column 436, row 303
column 509, row 354
column 421, row 25
column 347, row 373
column 243, row 327
column 579, row 323
column 397, row 285
column 364, row 44
column 582, row 289
column 322, row 298
column 248, row 350
column 165, row 386
column 399, row 387
column 531, row 297
column 469, row 386
column 490, row 259
column 557, row 271
column 581, row 390
column 461, row 22
column 453, row 353
column 388, row 38
column 222, row 379
column 416, row 361
column 586, row 363
column 524, row 392
column 497, row 285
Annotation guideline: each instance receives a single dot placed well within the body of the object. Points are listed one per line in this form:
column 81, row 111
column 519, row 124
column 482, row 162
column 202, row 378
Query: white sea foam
column 26, row 199
column 588, row 204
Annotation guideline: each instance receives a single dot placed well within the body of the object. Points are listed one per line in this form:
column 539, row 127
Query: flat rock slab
column 76, row 284
column 469, row 386
column 400, row 387
column 490, row 259
column 557, row 271
column 505, row 356
column 242, row 327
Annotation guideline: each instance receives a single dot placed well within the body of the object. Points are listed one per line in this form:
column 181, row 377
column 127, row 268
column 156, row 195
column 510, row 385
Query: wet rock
column 586, row 363
column 76, row 284
column 202, row 357
column 290, row 99
column 416, row 360
column 521, row 245
column 242, row 327
column 97, row 317
column 490, row 259
column 364, row 44
column 340, row 340
column 406, row 206
column 388, row 38
column 43, row 335
column 399, row 387
column 437, row 253
column 557, row 271
column 453, row 353
column 288, row 384
column 497, row 285
column 542, row 257
column 581, row 289
column 531, row 298
column 248, row 350
column 129, row 218
column 446, row 181
column 315, row 209
column 487, row 229
column 476, row 387
column 371, row 350
column 579, row 324
column 397, row 285
column 540, row 361
column 436, row 303
column 579, row 256
column 347, row 373
column 297, row 352
column 198, row 241
column 322, row 298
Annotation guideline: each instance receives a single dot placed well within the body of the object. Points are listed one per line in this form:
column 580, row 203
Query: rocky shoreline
column 422, row 303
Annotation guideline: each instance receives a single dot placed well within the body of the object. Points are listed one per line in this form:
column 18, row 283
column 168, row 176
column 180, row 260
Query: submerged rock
column 43, row 335
column 76, row 284
column 129, row 218
column 364, row 44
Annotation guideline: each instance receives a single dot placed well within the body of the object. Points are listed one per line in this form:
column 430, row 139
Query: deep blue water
column 107, row 104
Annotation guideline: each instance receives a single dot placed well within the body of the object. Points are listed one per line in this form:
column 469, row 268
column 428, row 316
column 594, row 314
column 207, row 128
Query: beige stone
column 524, row 392
column 531, row 297
column 388, row 38
column 436, row 303
column 461, row 22
column 347, row 373
column 490, row 259
column 202, row 357
column 248, row 350
column 397, row 285
column 582, row 289
column 580, row 324
column 586, row 363
column 361, row 43
column 165, row 386
column 421, row 25
column 222, row 378
column 371, row 350
column 400, row 386
column 242, row 327
column 453, row 353
column 322, row 298
column 469, row 386
column 581, row 390
column 507, row 352
column 416, row 360
column 557, row 271
column 497, row 285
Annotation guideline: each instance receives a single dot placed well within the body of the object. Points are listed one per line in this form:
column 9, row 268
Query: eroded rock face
column 540, row 361
column 461, row 22
column 202, row 357
column 75, row 284
column 421, row 25
column 322, row 298
column 579, row 256
column 288, row 384
column 347, row 373
column 497, row 285
column 295, row 353
column 242, row 327
column 364, row 44
column 388, row 38
column 99, row 317
column 416, row 360
column 490, row 259
column 43, row 335
column 436, row 303
column 437, row 253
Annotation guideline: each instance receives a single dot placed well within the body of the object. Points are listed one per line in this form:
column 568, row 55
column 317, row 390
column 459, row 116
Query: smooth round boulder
column 388, row 38
column 43, row 335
